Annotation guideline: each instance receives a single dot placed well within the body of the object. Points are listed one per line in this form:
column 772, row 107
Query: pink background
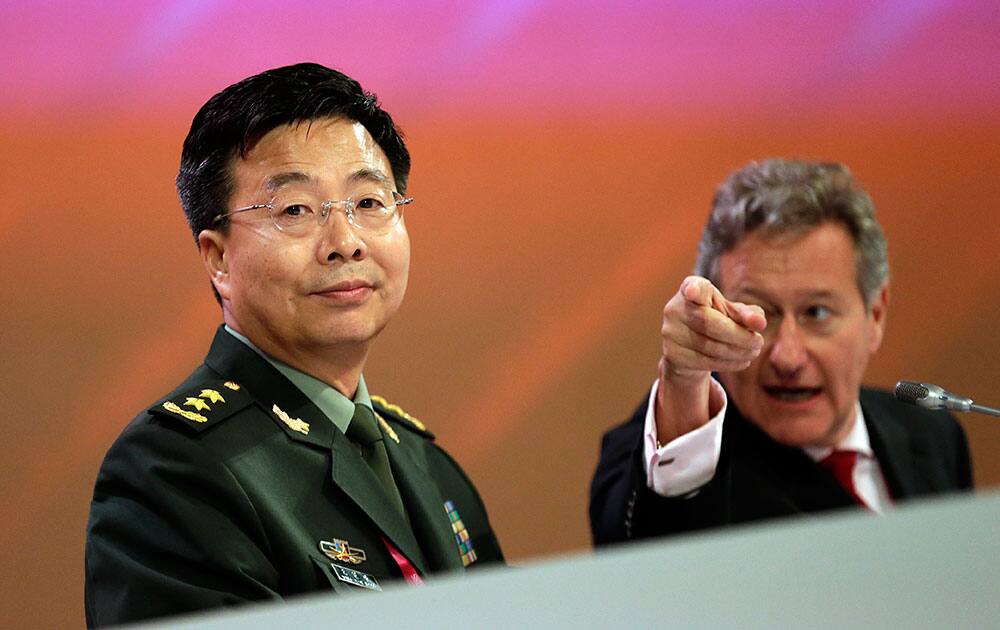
column 532, row 318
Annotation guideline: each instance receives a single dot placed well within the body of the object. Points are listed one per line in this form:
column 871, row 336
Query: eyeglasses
column 302, row 214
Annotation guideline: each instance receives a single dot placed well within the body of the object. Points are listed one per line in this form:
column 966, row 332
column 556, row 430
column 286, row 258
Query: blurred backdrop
column 564, row 154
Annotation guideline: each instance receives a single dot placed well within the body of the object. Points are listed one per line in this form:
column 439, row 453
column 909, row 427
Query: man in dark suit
column 270, row 471
column 758, row 411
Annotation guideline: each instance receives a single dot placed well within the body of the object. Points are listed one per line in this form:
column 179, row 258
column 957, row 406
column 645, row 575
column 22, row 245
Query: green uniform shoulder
column 204, row 405
column 396, row 413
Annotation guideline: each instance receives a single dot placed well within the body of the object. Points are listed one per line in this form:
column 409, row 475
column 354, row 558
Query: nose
column 787, row 354
column 340, row 239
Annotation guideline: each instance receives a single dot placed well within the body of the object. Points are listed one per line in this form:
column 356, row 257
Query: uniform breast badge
column 461, row 534
column 339, row 550
column 357, row 578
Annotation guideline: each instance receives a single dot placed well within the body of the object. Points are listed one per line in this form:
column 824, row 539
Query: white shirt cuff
column 688, row 462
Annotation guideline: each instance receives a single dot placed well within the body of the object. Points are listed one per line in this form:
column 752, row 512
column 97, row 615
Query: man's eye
column 296, row 210
column 818, row 313
column 370, row 203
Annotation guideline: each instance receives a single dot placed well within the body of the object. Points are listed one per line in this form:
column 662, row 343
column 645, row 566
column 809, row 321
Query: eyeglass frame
column 347, row 205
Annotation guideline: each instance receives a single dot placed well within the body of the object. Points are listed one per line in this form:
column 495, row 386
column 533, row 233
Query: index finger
column 750, row 316
column 701, row 292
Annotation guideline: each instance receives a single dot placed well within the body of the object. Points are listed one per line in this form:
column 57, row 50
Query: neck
column 338, row 366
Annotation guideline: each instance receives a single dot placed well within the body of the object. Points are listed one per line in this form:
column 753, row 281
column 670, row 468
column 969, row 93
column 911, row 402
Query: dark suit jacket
column 920, row 452
column 197, row 508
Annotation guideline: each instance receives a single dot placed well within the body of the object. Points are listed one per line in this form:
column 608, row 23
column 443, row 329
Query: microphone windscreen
column 910, row 392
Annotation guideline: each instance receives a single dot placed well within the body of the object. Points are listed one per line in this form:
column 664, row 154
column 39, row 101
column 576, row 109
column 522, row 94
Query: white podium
column 926, row 565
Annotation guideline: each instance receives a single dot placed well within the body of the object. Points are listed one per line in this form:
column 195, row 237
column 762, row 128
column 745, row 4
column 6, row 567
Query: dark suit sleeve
column 623, row 507
column 170, row 531
column 617, row 481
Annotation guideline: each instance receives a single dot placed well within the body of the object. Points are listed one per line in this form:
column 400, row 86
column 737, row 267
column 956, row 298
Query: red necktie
column 409, row 572
column 841, row 466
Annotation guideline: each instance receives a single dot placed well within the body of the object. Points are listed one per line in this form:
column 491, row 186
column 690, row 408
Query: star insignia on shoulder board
column 204, row 405
column 211, row 395
column 197, row 403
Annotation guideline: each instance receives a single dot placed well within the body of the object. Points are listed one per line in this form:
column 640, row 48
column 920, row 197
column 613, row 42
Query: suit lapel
column 233, row 359
column 291, row 410
column 891, row 444
column 425, row 505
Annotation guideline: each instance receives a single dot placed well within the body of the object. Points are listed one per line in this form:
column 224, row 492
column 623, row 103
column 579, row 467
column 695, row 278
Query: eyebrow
column 748, row 292
column 751, row 292
column 369, row 175
column 278, row 180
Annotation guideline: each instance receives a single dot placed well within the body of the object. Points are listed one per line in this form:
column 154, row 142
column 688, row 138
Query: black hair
column 233, row 120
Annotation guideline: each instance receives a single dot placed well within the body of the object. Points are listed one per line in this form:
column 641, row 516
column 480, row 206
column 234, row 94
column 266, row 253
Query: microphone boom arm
column 990, row 411
column 933, row 397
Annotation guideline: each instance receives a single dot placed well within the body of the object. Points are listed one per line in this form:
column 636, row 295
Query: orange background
column 551, row 224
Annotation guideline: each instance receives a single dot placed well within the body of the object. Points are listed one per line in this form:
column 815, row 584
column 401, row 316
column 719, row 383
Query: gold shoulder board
column 400, row 414
column 204, row 405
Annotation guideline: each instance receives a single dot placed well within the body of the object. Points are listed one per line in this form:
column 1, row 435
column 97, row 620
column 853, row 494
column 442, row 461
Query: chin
column 343, row 338
column 350, row 333
column 798, row 432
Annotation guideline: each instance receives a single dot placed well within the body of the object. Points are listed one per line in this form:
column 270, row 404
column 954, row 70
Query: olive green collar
column 335, row 405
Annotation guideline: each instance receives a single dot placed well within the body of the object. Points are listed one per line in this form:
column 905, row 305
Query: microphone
column 933, row 397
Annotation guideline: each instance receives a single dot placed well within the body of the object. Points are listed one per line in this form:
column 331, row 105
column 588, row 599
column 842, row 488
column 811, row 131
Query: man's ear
column 212, row 246
column 879, row 312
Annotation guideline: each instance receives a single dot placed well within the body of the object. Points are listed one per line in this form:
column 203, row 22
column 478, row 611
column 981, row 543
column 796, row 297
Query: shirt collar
column 856, row 440
column 335, row 405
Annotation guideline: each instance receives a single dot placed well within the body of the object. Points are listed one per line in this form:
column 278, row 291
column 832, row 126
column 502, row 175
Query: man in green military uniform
column 270, row 471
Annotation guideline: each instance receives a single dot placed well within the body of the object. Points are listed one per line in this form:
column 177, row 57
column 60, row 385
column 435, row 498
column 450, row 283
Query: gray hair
column 780, row 196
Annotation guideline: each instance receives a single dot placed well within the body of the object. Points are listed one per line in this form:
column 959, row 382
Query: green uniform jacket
column 228, row 500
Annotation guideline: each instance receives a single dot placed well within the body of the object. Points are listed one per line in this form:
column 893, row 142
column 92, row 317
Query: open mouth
column 792, row 394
